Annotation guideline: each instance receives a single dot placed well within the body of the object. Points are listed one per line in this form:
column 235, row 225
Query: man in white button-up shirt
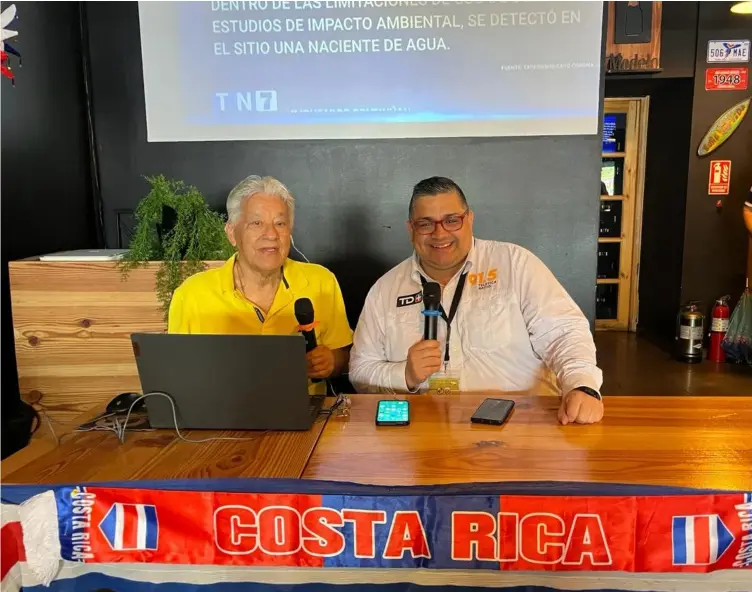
column 515, row 328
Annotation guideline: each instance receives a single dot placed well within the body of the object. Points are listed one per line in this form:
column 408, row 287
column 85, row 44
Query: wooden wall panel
column 72, row 323
column 645, row 51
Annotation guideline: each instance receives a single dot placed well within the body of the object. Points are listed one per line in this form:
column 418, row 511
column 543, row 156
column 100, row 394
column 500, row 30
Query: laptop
column 226, row 382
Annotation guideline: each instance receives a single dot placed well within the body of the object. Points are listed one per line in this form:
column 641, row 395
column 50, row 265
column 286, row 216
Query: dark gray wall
column 46, row 187
column 352, row 195
column 46, row 184
column 715, row 242
column 678, row 38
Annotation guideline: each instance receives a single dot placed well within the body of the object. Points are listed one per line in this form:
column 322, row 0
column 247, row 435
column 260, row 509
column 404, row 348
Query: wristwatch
column 588, row 391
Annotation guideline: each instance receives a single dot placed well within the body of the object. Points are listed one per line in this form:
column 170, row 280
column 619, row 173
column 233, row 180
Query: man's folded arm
column 370, row 371
column 559, row 331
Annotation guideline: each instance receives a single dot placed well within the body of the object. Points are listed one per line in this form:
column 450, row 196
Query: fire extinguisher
column 718, row 326
column 690, row 330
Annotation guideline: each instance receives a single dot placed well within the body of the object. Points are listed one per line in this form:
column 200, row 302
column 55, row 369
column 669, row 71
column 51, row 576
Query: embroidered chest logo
column 483, row 280
column 410, row 299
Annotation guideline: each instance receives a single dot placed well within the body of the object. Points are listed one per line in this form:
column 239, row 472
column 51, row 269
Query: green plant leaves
column 197, row 236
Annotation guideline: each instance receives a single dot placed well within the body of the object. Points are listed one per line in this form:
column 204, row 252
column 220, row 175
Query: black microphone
column 304, row 316
column 431, row 304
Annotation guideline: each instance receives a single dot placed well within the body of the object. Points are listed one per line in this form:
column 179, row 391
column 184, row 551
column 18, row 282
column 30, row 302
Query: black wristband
column 588, row 391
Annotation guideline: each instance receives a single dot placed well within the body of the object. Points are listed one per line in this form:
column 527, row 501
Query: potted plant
column 175, row 226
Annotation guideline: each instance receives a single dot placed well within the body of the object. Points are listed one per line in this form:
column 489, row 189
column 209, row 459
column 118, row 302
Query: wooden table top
column 159, row 454
column 701, row 442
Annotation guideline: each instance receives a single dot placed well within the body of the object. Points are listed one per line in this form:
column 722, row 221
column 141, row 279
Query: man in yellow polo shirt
column 254, row 292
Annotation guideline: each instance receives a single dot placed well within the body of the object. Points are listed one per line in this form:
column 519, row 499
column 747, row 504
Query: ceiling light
column 742, row 8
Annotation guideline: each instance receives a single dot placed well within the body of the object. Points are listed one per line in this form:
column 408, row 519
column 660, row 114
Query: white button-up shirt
column 516, row 328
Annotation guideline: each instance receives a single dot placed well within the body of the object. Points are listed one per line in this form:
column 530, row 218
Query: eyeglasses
column 451, row 223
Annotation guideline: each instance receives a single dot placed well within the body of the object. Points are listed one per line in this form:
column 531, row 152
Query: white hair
column 252, row 185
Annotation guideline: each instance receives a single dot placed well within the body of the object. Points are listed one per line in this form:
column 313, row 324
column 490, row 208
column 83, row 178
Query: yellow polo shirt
column 208, row 303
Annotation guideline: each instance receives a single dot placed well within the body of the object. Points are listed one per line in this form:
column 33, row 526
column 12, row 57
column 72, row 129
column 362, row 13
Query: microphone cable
column 120, row 429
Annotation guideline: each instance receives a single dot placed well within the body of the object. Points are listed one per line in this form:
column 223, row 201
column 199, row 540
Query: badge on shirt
column 409, row 299
column 444, row 382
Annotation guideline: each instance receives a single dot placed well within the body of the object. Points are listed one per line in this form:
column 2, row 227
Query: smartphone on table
column 391, row 412
column 493, row 411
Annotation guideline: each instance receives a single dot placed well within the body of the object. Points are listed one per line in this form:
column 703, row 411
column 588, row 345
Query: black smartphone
column 391, row 412
column 493, row 411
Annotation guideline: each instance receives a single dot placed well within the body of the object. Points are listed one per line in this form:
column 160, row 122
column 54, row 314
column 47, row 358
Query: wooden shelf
column 632, row 158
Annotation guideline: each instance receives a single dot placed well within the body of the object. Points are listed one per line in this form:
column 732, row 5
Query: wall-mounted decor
column 723, row 127
column 728, row 51
column 6, row 18
column 726, row 78
column 633, row 37
column 719, row 177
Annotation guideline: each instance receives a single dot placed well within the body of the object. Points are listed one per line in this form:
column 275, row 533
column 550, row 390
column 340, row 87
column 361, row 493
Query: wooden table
column 701, row 442
column 99, row 456
column 682, row 441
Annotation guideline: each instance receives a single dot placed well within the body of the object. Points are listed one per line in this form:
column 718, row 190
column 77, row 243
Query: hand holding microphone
column 320, row 358
column 320, row 362
column 424, row 358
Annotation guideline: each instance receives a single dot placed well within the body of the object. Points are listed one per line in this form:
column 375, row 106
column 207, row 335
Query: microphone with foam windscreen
column 431, row 304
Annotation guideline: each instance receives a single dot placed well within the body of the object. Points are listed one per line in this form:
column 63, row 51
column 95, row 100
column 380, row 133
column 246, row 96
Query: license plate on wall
column 726, row 78
column 732, row 50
